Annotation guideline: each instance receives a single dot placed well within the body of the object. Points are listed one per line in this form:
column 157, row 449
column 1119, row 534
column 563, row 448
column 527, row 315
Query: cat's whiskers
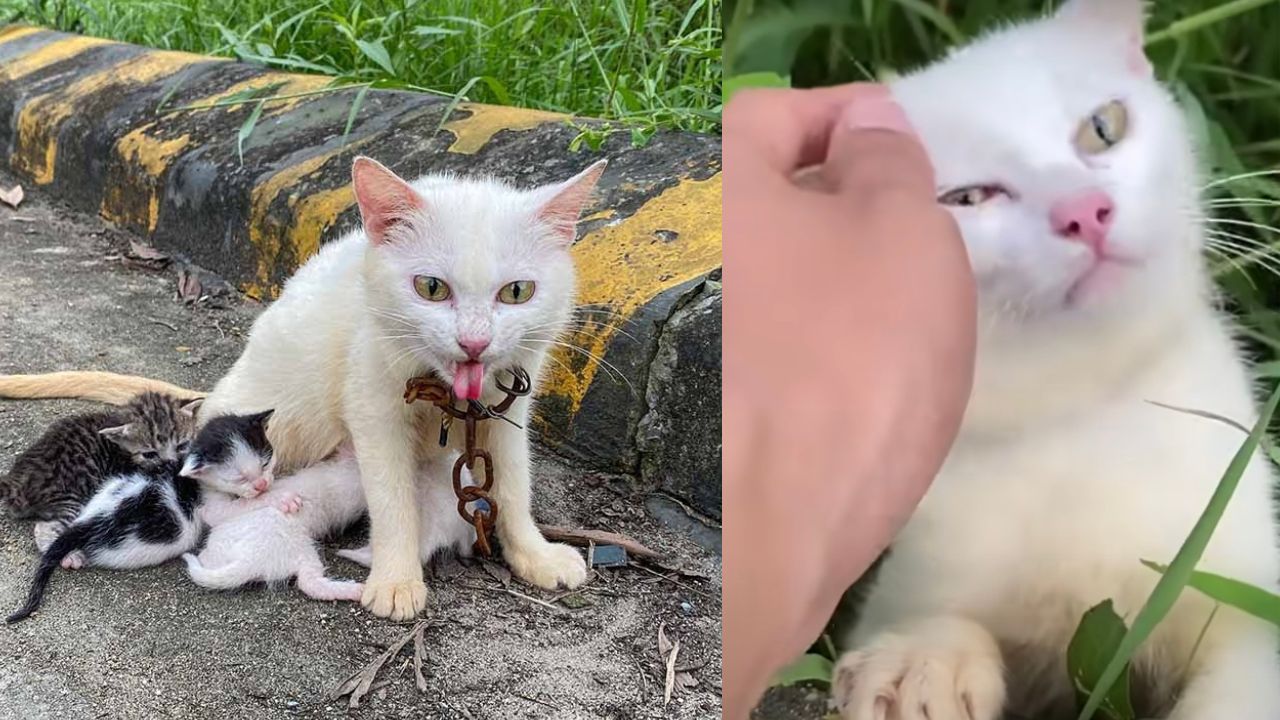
column 1248, row 252
column 1237, row 177
column 579, row 349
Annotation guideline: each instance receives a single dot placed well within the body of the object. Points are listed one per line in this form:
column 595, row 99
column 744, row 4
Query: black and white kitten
column 147, row 517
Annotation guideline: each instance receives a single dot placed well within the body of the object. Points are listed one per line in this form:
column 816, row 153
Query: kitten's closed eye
column 149, row 454
column 971, row 195
column 1105, row 127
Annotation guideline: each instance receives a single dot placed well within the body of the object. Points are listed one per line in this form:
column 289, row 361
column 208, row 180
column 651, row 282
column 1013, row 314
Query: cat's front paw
column 548, row 565
column 941, row 669
column 394, row 600
column 288, row 502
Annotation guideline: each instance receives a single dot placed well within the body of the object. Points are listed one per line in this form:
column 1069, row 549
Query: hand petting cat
column 823, row 275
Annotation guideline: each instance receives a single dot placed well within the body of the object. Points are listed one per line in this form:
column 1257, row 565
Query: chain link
column 433, row 390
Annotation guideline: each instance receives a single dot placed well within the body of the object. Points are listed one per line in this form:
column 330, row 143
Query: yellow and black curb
column 92, row 122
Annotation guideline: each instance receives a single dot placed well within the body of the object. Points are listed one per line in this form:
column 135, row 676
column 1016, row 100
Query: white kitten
column 273, row 537
column 1073, row 180
column 465, row 278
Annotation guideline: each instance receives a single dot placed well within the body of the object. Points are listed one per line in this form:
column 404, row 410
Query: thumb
column 874, row 149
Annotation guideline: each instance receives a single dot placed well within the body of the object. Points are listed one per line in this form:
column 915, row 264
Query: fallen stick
column 583, row 538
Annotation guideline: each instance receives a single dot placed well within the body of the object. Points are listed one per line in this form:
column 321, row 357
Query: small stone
column 609, row 556
column 686, row 607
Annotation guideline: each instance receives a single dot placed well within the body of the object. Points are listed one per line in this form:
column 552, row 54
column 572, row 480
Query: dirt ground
column 150, row 644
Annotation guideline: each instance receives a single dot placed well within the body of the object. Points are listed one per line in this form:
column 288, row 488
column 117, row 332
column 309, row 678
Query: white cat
column 465, row 278
column 1071, row 174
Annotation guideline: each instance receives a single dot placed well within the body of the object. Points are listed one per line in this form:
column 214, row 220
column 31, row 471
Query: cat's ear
column 262, row 417
column 191, row 407
column 121, row 435
column 384, row 198
column 1123, row 19
column 563, row 203
column 193, row 467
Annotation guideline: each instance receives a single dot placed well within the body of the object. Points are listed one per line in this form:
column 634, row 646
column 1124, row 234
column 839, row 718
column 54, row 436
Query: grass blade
column 247, row 128
column 355, row 108
column 1179, row 572
column 1240, row 595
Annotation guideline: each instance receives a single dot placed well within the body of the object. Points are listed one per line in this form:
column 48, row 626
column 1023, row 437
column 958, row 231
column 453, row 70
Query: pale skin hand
column 848, row 359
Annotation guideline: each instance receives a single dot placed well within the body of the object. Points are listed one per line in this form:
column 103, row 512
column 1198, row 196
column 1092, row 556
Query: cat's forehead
column 1014, row 96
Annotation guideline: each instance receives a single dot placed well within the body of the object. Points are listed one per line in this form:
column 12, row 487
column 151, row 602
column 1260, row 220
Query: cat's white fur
column 272, row 538
column 1064, row 476
column 333, row 353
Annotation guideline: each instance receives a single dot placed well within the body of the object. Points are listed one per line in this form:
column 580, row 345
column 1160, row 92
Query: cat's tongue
column 468, row 381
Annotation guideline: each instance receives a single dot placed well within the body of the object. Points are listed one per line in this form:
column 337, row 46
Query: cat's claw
column 548, row 565
column 288, row 502
column 74, row 561
column 395, row 600
column 941, row 669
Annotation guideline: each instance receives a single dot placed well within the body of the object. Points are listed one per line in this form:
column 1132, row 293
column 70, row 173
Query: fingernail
column 877, row 113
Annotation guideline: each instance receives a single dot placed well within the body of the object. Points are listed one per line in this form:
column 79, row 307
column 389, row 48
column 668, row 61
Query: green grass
column 648, row 64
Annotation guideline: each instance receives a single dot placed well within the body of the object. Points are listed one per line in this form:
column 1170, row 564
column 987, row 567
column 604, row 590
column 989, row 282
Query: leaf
column 753, row 80
column 145, row 252
column 664, row 644
column 1252, row 599
column 435, row 30
column 247, row 128
column 1170, row 586
column 189, row 286
column 806, row 668
column 12, row 197
column 355, row 108
column 1094, row 642
column 377, row 52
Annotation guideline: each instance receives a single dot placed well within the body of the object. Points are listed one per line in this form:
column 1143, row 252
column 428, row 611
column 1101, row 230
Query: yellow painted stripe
column 42, row 57
column 627, row 264
column 133, row 196
column 476, row 130
column 13, row 32
column 41, row 117
column 307, row 221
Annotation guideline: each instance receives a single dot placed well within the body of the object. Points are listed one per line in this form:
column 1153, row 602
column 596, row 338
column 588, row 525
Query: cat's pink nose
column 261, row 484
column 473, row 346
column 1084, row 218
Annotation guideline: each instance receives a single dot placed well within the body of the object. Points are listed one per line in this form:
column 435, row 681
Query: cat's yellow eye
column 430, row 288
column 970, row 196
column 1104, row 128
column 514, row 293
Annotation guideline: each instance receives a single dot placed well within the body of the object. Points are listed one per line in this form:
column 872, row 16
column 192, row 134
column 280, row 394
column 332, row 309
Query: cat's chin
column 1100, row 281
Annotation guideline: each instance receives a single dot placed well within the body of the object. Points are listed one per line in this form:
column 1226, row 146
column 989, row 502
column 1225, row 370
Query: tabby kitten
column 53, row 478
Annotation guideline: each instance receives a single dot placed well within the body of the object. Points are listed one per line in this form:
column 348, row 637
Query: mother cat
column 1071, row 175
column 463, row 278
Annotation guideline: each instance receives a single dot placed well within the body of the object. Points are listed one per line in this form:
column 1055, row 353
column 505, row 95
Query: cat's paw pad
column 548, row 565
column 74, row 561
column 395, row 600
column 947, row 671
column 288, row 502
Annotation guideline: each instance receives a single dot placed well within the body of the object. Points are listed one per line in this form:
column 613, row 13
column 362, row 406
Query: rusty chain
column 435, row 391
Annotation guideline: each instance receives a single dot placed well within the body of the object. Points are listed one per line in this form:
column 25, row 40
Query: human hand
column 848, row 358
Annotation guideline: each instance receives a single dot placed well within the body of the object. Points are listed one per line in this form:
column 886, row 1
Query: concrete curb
column 81, row 123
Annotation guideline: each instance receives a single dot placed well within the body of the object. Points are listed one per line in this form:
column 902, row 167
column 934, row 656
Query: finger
column 787, row 129
column 874, row 149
